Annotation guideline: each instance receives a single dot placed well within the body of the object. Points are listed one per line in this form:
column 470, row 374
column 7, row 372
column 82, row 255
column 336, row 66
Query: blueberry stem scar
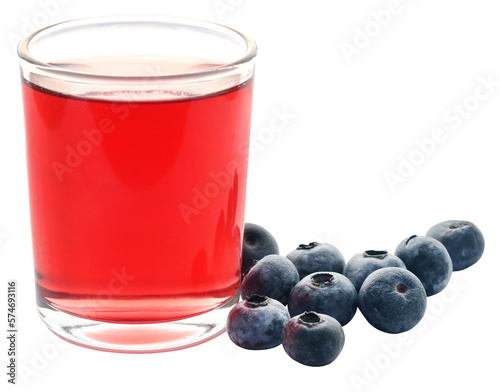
column 401, row 288
column 310, row 319
column 379, row 254
column 409, row 239
column 250, row 243
column 310, row 246
column 256, row 300
column 322, row 279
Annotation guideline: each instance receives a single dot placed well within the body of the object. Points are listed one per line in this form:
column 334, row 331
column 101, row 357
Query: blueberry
column 257, row 323
column 257, row 243
column 363, row 264
column 462, row 239
column 428, row 259
column 316, row 257
column 324, row 292
column 392, row 299
column 313, row 339
column 273, row 276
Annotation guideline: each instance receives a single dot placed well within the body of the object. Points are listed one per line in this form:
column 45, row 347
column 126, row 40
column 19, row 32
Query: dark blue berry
column 324, row 292
column 392, row 299
column 316, row 257
column 257, row 243
column 462, row 239
column 428, row 259
column 313, row 339
column 363, row 264
column 257, row 323
column 273, row 276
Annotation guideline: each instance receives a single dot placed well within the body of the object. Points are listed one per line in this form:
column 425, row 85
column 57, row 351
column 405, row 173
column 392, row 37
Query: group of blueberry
column 303, row 300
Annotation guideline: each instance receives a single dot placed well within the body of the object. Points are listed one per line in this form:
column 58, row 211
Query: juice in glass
column 137, row 192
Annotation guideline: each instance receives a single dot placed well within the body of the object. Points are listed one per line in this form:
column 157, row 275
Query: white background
column 323, row 178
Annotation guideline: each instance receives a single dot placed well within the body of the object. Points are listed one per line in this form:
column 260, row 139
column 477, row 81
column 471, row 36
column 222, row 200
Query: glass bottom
column 136, row 338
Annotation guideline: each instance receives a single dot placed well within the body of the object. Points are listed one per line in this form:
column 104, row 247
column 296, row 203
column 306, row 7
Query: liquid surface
column 137, row 208
column 148, row 66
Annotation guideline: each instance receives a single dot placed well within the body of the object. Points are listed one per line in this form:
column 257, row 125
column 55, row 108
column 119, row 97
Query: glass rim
column 249, row 54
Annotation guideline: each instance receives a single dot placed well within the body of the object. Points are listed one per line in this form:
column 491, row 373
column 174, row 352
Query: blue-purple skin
column 462, row 239
column 257, row 243
column 329, row 293
column 273, row 276
column 392, row 299
column 428, row 259
column 257, row 323
column 313, row 339
column 316, row 257
column 363, row 264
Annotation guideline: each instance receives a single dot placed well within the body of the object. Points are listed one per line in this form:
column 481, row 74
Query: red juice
column 137, row 207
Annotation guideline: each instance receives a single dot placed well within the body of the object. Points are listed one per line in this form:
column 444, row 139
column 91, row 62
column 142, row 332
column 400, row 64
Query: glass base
column 136, row 338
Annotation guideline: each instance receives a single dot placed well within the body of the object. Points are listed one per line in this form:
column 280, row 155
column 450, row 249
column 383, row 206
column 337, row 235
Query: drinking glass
column 137, row 134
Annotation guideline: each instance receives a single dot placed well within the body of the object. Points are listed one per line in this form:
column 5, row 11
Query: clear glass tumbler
column 137, row 147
